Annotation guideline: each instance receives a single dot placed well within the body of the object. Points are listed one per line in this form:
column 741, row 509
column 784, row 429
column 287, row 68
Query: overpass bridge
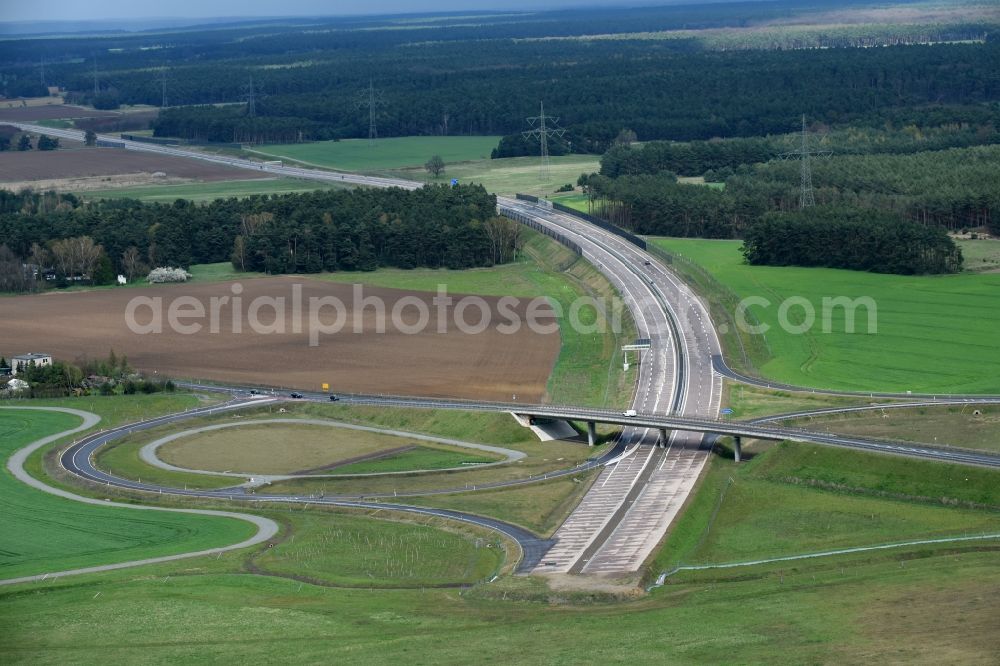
column 663, row 423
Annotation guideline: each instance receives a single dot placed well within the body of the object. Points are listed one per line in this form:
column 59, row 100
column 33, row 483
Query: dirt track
column 488, row 365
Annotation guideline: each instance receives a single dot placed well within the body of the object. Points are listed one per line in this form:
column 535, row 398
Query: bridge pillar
column 663, row 438
column 737, row 448
column 591, row 433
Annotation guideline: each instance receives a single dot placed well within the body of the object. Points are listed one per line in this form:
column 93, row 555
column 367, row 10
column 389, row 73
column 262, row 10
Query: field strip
column 148, row 452
column 266, row 528
column 826, row 553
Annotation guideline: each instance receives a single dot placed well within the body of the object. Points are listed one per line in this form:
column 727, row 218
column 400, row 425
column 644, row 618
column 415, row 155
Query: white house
column 22, row 361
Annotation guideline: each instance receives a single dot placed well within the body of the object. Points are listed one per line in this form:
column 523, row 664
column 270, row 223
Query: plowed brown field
column 16, row 166
column 488, row 365
column 10, row 110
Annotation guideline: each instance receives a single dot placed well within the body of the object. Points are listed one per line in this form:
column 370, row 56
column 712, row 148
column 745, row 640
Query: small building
column 24, row 360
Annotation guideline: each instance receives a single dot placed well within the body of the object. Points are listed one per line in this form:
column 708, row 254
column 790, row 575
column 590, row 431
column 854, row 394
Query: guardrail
column 540, row 228
column 596, row 221
column 603, row 224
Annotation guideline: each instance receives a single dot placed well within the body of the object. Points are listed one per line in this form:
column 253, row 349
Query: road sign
column 454, row 182
column 725, row 410
column 326, row 387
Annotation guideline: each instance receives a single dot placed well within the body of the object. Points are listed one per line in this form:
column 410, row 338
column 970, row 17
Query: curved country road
column 266, row 528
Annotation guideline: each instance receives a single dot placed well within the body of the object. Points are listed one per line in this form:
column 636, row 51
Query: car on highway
column 334, row 398
column 647, row 263
column 254, row 392
column 293, row 394
column 629, row 412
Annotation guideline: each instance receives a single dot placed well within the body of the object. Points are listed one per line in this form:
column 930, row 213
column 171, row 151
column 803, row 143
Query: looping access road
column 78, row 459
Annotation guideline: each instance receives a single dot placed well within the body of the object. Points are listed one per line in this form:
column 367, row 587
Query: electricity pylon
column 806, row 198
column 372, row 99
column 543, row 127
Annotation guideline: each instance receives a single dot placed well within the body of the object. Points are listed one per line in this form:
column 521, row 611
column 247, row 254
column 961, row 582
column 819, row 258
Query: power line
column 163, row 87
column 543, row 127
column 803, row 154
column 97, row 89
column 251, row 97
column 372, row 100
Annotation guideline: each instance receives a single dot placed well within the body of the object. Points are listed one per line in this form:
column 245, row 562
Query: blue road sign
column 454, row 182
column 725, row 410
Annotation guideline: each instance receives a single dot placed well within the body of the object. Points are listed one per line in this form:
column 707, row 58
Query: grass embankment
column 750, row 402
column 390, row 153
column 211, row 191
column 539, row 507
column 934, row 609
column 795, row 499
column 282, row 448
column 967, row 426
column 578, row 202
column 362, row 551
column 934, row 333
column 44, row 533
column 588, row 369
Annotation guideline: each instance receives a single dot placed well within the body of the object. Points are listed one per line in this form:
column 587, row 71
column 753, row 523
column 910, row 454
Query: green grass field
column 575, row 201
column 539, row 507
column 422, row 457
column 796, row 499
column 389, row 153
column 934, row 333
column 749, row 402
column 222, row 189
column 361, row 551
column 515, row 174
column 43, row 533
column 966, row 426
column 933, row 608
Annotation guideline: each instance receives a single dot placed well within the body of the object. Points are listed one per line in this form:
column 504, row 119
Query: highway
column 630, row 506
column 632, row 503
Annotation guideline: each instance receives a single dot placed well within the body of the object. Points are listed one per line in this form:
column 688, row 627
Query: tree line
column 955, row 189
column 719, row 158
column 363, row 229
column 864, row 240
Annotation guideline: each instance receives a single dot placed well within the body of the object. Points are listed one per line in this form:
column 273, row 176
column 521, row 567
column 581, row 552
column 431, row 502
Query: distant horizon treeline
column 486, row 79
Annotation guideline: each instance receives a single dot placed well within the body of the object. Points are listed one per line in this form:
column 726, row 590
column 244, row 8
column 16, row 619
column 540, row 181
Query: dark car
column 647, row 263
column 295, row 395
column 334, row 398
column 254, row 392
